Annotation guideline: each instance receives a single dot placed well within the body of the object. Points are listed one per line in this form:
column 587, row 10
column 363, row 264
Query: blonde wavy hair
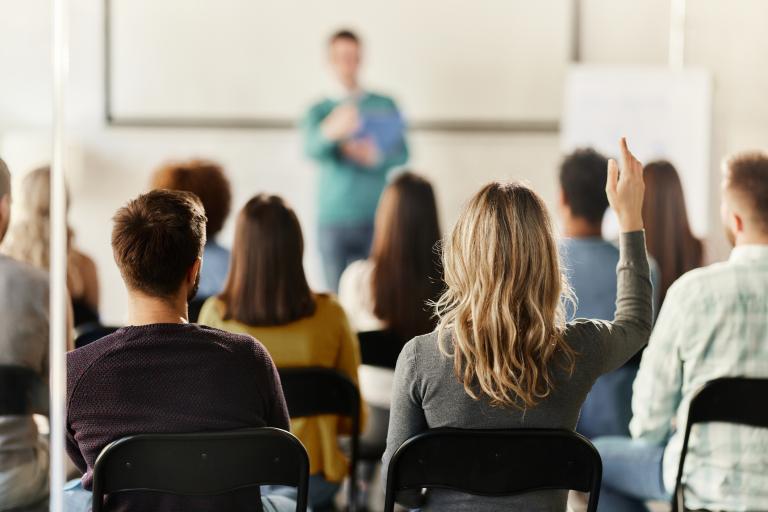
column 502, row 316
column 29, row 234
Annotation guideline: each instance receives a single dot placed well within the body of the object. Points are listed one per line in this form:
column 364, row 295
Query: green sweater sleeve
column 316, row 145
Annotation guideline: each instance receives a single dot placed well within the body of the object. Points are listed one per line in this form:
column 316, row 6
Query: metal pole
column 676, row 57
column 58, row 251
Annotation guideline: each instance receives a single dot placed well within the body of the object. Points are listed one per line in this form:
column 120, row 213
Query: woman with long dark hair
column 667, row 232
column 267, row 296
column 392, row 289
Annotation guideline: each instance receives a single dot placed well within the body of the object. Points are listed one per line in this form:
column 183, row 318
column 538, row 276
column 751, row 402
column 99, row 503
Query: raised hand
column 625, row 189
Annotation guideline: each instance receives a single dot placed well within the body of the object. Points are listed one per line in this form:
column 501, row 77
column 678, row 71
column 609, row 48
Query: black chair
column 316, row 391
column 735, row 400
column 89, row 333
column 202, row 464
column 22, row 392
column 495, row 463
column 380, row 348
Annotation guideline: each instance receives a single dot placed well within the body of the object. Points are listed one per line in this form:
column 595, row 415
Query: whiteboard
column 664, row 114
column 443, row 60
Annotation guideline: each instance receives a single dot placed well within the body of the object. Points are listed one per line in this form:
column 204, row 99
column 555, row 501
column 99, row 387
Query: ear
column 737, row 222
column 194, row 270
column 5, row 208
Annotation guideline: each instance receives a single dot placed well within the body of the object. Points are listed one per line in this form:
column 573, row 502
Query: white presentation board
column 443, row 60
column 665, row 114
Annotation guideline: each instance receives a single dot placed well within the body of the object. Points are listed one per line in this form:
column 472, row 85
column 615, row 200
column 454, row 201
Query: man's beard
column 193, row 290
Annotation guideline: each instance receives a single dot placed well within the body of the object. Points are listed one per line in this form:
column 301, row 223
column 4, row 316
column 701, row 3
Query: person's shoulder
column 701, row 284
column 21, row 272
column 581, row 333
column 320, row 107
column 423, row 350
column 327, row 306
column 80, row 360
column 356, row 271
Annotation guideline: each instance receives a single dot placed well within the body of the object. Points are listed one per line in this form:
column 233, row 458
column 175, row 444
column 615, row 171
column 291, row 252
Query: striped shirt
column 714, row 323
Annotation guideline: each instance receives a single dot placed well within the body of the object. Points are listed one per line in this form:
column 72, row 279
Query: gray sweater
column 427, row 394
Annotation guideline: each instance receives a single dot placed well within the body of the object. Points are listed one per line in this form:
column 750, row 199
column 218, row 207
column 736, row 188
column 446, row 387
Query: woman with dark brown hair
column 392, row 289
column 667, row 231
column 267, row 296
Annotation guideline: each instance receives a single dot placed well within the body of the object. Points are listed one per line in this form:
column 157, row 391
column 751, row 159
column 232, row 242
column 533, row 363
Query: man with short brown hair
column 161, row 374
column 714, row 323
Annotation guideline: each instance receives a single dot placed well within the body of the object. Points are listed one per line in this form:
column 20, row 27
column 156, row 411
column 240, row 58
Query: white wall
column 111, row 165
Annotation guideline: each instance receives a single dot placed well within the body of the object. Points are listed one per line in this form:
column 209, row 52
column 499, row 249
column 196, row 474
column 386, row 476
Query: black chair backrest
column 733, row 400
column 495, row 463
column 92, row 332
column 22, row 391
column 202, row 464
column 380, row 348
column 316, row 391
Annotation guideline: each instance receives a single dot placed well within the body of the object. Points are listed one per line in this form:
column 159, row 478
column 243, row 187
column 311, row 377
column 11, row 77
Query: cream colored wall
column 111, row 165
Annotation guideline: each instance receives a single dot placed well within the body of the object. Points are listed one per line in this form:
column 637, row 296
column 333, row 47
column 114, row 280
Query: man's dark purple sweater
column 169, row 378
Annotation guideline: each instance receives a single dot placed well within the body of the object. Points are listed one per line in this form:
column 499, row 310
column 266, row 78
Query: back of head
column 407, row 271
column 156, row 239
column 29, row 236
column 667, row 231
column 266, row 283
column 583, row 174
column 344, row 34
column 503, row 308
column 206, row 180
column 746, row 182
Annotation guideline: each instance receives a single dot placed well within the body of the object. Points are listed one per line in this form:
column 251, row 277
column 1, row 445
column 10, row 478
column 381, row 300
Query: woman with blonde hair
column 29, row 241
column 503, row 355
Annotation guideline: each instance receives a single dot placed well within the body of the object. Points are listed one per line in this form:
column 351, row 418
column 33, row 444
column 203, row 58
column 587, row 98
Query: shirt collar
column 749, row 253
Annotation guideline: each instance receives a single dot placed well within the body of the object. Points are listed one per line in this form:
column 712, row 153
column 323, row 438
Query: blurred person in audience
column 355, row 138
column 714, row 323
column 670, row 240
column 267, row 296
column 207, row 181
column 29, row 241
column 23, row 342
column 503, row 355
column 161, row 374
column 393, row 288
column 590, row 265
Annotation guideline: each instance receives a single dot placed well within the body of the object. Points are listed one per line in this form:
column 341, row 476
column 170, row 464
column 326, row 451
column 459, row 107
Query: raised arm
column 616, row 342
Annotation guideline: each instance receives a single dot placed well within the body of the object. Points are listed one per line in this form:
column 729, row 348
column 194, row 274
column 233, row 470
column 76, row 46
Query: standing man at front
column 356, row 138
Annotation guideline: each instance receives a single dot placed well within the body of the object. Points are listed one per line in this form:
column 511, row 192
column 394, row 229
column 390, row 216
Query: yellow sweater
column 324, row 339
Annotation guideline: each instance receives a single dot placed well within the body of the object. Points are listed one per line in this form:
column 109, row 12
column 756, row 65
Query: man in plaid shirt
column 714, row 323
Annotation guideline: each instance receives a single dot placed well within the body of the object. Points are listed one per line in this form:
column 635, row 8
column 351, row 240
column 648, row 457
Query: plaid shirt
column 714, row 323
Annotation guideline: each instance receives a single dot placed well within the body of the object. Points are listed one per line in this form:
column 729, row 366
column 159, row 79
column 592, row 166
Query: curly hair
column 502, row 316
column 206, row 180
